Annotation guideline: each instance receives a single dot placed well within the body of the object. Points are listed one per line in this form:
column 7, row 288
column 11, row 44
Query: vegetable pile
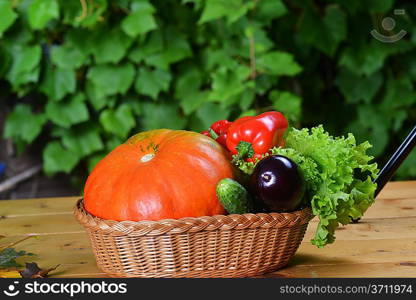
column 256, row 164
column 289, row 169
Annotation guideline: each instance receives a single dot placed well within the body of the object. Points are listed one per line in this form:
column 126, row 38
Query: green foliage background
column 81, row 76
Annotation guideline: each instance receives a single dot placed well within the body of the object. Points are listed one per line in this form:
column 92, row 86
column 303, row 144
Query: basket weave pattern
column 217, row 246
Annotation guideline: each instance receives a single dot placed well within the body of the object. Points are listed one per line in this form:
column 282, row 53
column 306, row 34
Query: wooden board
column 383, row 244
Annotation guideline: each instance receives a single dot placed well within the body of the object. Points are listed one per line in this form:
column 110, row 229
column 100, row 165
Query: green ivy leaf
column 371, row 125
column 278, row 63
column 96, row 98
column 7, row 15
column 67, row 56
column 81, row 39
column 58, row 159
column 40, row 12
column 378, row 6
column 210, row 113
column 151, row 82
column 110, row 45
column 188, row 82
column 19, row 85
column 23, row 124
column 84, row 139
column 152, row 45
column 262, row 43
column 324, row 33
column 335, row 21
column 247, row 98
column 134, row 102
column 264, row 82
column 176, row 47
column 140, row 20
column 138, row 23
column 367, row 58
column 191, row 102
column 287, row 103
column 213, row 58
column 57, row 82
column 267, row 10
column 232, row 9
column 187, row 90
column 67, row 112
column 361, row 62
column 161, row 115
column 356, row 88
column 399, row 95
column 73, row 13
column 226, row 83
column 351, row 6
column 24, row 66
column 110, row 80
column 119, row 121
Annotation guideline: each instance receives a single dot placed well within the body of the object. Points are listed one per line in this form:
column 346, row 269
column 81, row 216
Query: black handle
column 395, row 161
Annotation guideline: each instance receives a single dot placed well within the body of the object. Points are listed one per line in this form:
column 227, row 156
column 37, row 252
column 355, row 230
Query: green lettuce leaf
column 345, row 189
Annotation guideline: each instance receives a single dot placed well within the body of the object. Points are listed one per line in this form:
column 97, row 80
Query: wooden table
column 382, row 244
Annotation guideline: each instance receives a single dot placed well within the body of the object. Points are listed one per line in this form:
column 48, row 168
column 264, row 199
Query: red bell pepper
column 252, row 137
column 218, row 131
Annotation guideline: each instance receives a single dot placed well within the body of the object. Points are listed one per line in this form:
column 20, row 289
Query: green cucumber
column 233, row 196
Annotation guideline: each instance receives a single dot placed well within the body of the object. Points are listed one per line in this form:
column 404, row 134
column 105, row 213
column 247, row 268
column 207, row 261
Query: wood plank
column 373, row 228
column 40, row 224
column 33, row 207
column 398, row 190
column 356, row 252
column 389, row 207
column 397, row 199
column 380, row 270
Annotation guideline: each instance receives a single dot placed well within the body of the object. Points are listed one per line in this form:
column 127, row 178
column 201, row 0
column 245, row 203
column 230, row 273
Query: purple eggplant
column 277, row 184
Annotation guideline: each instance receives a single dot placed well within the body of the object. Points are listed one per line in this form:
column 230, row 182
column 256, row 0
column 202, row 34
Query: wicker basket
column 217, row 246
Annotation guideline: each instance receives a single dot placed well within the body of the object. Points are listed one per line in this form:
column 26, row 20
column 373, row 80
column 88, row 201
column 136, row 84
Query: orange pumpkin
column 158, row 174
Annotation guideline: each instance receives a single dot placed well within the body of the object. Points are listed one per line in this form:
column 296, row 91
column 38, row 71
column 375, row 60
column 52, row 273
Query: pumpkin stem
column 147, row 157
